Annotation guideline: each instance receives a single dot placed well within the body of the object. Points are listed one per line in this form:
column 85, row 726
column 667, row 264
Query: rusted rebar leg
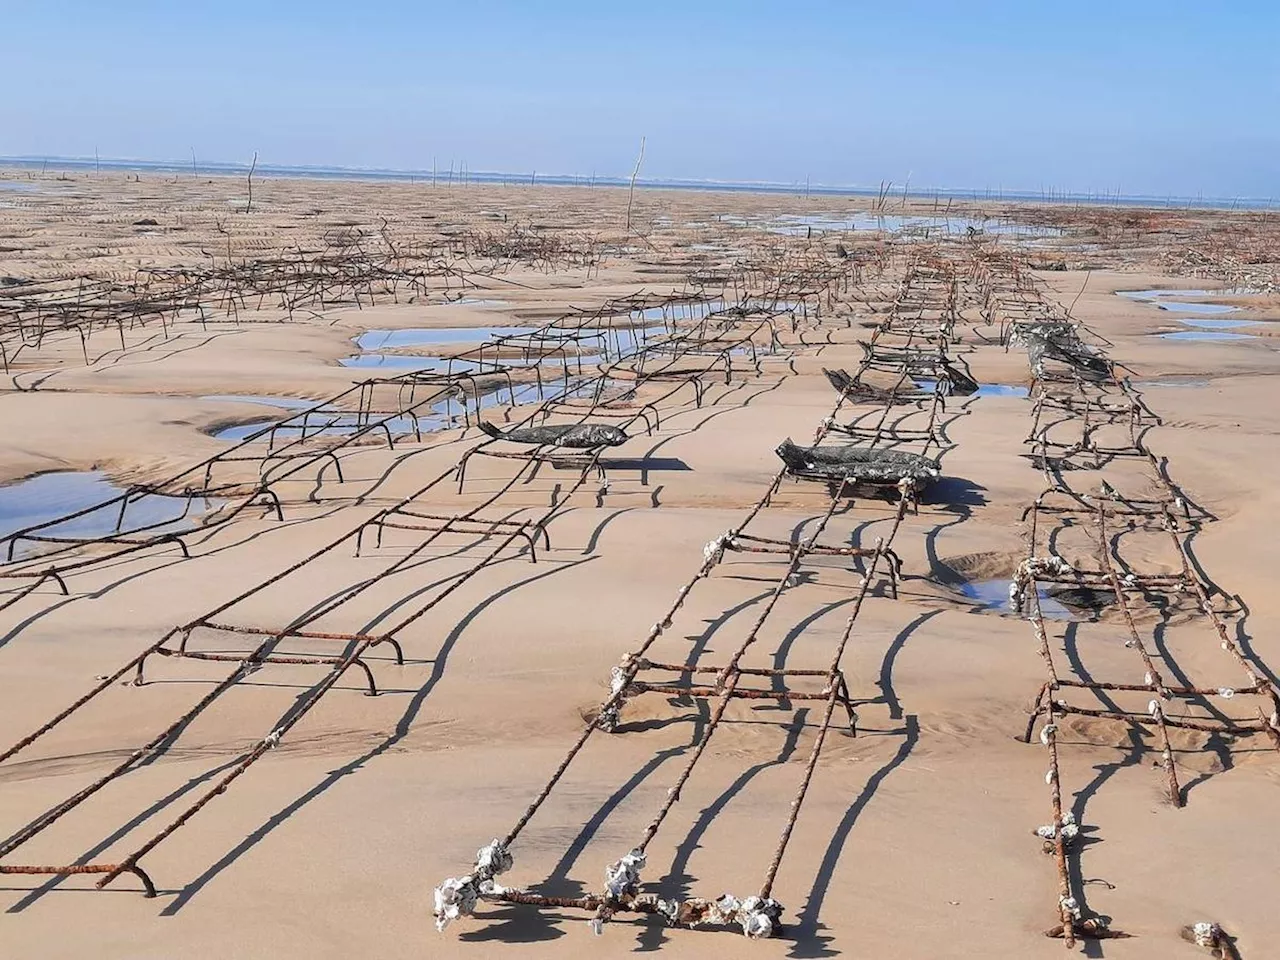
column 186, row 635
column 846, row 700
column 895, row 572
column 530, row 537
column 1037, row 708
column 395, row 645
column 314, row 496
column 269, row 494
column 462, row 467
column 148, row 888
column 540, row 530
column 368, row 675
column 176, row 538
column 138, row 680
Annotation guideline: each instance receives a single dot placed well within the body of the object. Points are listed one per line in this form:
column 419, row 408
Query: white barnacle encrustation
column 1047, row 731
column 1070, row 829
column 1206, row 934
column 1029, row 571
column 454, row 898
column 757, row 916
column 619, row 679
column 492, row 859
column 272, row 739
column 457, row 896
column 1056, row 564
column 713, row 552
column 622, row 877
column 1226, row 693
column 1069, row 905
column 669, row 910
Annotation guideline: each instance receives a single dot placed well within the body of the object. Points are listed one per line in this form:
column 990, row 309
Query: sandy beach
column 151, row 324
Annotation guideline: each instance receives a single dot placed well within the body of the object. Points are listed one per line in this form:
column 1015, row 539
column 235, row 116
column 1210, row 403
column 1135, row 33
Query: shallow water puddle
column 48, row 496
column 445, row 413
column 1171, row 382
column 1157, row 294
column 324, row 423
column 993, row 596
column 373, row 340
column 598, row 344
column 1002, row 390
column 984, row 389
column 800, row 225
column 1218, row 324
column 407, row 362
column 1205, row 335
column 1176, row 306
column 1162, row 300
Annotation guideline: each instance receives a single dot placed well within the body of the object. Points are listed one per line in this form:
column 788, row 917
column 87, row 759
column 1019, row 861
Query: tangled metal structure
column 924, row 312
column 653, row 368
column 345, row 270
column 1090, row 422
column 573, row 392
column 638, row 339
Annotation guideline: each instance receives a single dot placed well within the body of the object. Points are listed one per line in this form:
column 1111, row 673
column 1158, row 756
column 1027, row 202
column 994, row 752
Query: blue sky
column 1131, row 95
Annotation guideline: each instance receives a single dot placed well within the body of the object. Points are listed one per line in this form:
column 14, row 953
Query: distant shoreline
column 454, row 177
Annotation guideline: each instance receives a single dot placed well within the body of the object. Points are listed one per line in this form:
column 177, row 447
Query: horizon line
column 463, row 176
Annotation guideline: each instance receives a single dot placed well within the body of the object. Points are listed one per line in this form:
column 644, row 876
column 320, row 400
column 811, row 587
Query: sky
column 1130, row 96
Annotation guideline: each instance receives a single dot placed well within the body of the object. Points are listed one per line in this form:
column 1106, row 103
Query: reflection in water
column 49, row 496
column 993, row 595
column 1205, row 308
column 984, row 389
column 444, row 414
column 1205, row 335
column 1171, row 382
column 1218, row 324
column 801, row 225
column 1160, row 299
column 426, row 336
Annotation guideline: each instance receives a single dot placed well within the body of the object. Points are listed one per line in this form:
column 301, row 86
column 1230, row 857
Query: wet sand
column 916, row 839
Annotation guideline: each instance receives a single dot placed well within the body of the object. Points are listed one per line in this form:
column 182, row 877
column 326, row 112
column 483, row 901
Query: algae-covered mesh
column 1058, row 340
column 578, row 436
column 858, row 464
column 951, row 381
